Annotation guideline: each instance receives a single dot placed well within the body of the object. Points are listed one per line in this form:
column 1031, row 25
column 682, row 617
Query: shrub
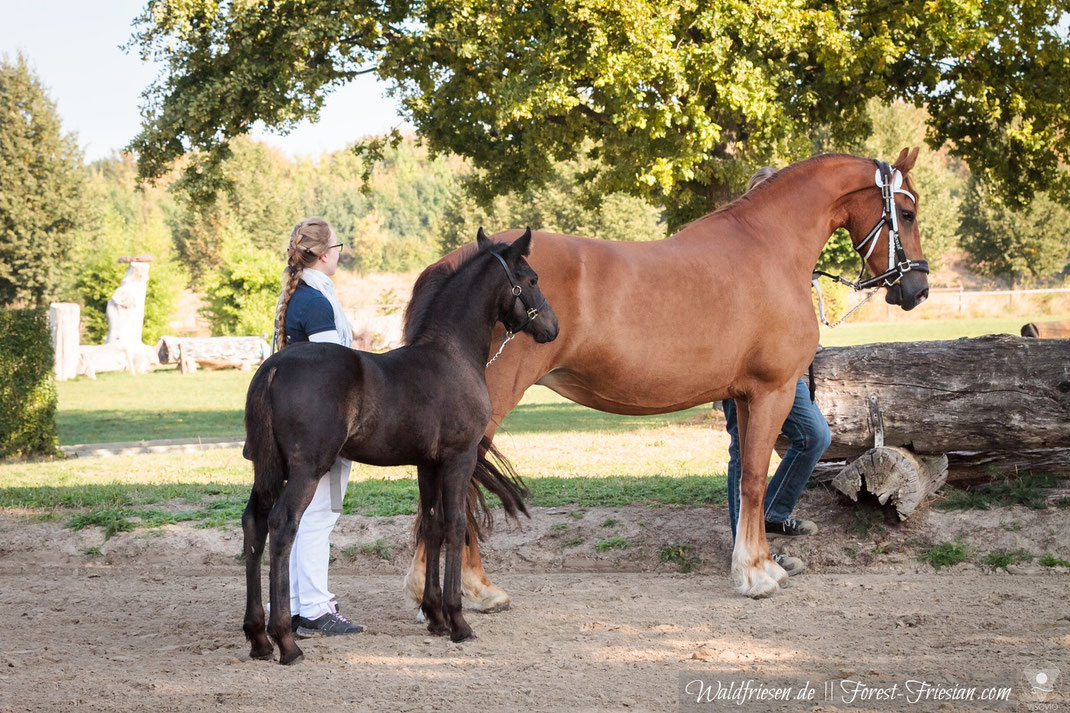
column 242, row 293
column 27, row 388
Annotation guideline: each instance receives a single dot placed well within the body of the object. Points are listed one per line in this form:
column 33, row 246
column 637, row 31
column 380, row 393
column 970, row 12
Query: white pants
column 312, row 551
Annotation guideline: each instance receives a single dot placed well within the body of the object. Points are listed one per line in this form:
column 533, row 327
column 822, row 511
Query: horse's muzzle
column 909, row 292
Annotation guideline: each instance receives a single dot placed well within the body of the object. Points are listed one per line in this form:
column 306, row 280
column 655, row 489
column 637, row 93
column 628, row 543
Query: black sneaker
column 791, row 565
column 330, row 624
column 791, row 528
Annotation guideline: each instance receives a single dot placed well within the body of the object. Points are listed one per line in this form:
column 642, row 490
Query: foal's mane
column 429, row 285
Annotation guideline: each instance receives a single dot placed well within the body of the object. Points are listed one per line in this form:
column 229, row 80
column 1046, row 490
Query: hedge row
column 27, row 385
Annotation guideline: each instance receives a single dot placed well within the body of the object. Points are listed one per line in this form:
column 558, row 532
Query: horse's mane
column 744, row 200
column 428, row 286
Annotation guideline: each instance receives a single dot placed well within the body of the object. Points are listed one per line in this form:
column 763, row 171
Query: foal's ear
column 522, row 245
column 906, row 159
column 482, row 241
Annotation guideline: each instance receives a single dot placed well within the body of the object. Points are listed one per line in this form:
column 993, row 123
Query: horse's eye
column 908, row 216
column 535, row 280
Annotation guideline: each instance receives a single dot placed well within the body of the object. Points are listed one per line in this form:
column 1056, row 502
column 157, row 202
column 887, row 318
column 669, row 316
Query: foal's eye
column 535, row 280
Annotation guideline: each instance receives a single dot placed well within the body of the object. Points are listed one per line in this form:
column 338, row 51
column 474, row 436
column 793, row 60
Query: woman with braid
column 308, row 311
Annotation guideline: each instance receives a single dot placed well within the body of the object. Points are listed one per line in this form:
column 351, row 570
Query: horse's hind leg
column 760, row 419
column 254, row 522
column 431, row 527
column 283, row 521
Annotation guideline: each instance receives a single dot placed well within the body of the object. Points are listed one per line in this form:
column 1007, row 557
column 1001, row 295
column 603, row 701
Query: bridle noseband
column 890, row 181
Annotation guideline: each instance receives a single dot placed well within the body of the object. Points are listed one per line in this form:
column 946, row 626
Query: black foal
column 424, row 404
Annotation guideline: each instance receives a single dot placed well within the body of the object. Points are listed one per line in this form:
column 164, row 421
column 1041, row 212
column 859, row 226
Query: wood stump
column 63, row 319
column 895, row 476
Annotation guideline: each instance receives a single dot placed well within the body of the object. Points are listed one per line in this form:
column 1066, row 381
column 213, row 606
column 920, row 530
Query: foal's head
column 522, row 307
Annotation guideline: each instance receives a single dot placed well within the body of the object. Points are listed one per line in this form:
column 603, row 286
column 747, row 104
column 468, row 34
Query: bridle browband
column 890, row 181
column 518, row 294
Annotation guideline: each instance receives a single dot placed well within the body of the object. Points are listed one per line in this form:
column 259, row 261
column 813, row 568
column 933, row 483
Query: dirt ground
column 153, row 624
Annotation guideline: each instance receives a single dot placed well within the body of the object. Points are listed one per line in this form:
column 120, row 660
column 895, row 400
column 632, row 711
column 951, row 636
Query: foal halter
column 890, row 181
column 518, row 294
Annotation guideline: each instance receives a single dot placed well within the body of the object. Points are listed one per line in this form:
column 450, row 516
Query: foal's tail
column 496, row 474
column 269, row 468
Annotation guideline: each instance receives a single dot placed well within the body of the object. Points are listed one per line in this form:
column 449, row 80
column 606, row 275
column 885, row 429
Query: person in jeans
column 309, row 311
column 809, row 434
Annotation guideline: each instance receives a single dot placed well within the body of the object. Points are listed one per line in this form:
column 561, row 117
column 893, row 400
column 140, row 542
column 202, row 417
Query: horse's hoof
column 438, row 629
column 420, row 616
column 294, row 658
column 262, row 654
column 495, row 610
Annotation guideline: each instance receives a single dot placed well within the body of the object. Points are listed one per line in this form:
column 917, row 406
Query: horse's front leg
column 283, row 521
column 254, row 523
column 430, row 534
column 455, row 475
column 760, row 418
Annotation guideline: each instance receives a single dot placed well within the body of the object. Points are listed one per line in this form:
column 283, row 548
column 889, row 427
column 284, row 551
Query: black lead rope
column 813, row 385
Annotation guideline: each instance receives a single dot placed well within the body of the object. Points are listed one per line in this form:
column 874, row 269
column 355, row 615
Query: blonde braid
column 308, row 241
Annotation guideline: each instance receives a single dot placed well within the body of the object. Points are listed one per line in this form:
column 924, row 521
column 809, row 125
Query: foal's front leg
column 283, row 521
column 455, row 475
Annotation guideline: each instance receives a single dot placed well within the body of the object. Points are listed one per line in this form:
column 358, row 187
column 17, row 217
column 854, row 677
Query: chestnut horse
column 719, row 310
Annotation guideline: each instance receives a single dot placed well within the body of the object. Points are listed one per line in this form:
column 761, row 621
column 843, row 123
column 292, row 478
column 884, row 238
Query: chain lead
column 508, row 338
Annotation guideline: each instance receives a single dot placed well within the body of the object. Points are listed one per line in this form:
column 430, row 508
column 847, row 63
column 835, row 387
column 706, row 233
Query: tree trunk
column 63, row 319
column 995, row 406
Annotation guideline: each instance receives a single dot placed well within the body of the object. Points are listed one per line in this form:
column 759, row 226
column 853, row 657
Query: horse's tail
column 495, row 474
column 269, row 468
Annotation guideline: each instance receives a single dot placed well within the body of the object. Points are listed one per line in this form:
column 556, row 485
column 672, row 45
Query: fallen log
column 213, row 352
column 995, row 406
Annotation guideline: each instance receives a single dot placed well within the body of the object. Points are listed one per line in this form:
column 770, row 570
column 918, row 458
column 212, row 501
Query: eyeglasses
column 337, row 245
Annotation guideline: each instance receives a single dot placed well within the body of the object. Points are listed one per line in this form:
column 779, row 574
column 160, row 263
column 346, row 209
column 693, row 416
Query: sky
column 74, row 48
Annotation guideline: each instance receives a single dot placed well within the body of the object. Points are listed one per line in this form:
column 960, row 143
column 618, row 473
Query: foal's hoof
column 260, row 653
column 495, row 610
column 438, row 629
column 293, row 658
column 462, row 635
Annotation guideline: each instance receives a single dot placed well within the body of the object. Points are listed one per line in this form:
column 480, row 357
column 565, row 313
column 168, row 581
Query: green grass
column 923, row 330
column 1001, row 559
column 945, row 554
column 162, row 404
column 1053, row 561
column 1025, row 490
column 612, row 543
column 682, row 555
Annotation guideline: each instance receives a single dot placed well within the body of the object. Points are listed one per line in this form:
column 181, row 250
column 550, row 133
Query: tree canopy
column 675, row 100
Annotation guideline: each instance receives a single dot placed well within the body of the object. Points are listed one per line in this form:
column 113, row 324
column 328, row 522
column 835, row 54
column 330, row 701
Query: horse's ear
column 522, row 245
column 906, row 159
column 482, row 241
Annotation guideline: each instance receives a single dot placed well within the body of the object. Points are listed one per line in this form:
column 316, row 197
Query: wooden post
column 63, row 321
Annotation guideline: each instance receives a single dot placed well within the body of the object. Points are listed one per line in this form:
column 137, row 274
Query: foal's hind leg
column 283, row 521
column 254, row 523
column 454, row 477
column 431, row 600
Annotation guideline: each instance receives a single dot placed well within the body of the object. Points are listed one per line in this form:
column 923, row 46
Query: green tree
column 677, row 101
column 241, row 293
column 41, row 188
column 1010, row 242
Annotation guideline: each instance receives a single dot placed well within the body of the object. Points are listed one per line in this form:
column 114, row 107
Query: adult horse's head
column 523, row 308
column 883, row 224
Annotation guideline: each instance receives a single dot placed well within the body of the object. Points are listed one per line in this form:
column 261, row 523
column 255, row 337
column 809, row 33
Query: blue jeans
column 809, row 434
